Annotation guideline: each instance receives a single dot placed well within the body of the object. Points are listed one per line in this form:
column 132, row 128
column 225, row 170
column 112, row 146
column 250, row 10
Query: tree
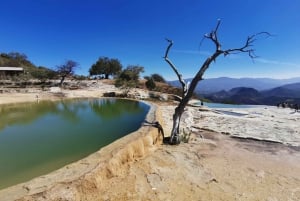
column 158, row 78
column 150, row 84
column 106, row 66
column 188, row 89
column 66, row 69
column 129, row 77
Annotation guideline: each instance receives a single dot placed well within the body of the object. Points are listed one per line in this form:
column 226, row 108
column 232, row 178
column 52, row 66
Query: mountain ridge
column 289, row 93
column 265, row 91
column 212, row 85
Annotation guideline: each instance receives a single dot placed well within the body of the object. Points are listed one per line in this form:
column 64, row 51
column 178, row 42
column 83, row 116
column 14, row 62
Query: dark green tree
column 147, row 77
column 158, row 78
column 129, row 77
column 66, row 69
column 106, row 66
column 150, row 84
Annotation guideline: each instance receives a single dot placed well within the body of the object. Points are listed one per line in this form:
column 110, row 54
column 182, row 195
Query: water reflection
column 36, row 138
column 111, row 108
column 26, row 113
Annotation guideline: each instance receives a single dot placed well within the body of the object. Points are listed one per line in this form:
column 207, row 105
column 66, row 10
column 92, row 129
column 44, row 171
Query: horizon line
column 297, row 77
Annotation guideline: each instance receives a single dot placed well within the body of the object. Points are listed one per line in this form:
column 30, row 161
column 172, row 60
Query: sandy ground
column 212, row 166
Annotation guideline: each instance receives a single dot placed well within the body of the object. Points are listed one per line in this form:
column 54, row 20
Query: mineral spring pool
column 37, row 138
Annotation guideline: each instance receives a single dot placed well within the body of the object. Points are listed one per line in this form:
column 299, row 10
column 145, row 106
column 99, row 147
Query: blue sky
column 51, row 31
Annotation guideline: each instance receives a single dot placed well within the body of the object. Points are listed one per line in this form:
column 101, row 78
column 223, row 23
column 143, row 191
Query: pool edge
column 87, row 174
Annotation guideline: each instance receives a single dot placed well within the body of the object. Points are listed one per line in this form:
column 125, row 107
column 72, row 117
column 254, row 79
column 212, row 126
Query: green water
column 37, row 138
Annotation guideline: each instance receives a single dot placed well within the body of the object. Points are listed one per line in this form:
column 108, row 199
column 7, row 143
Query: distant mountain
column 239, row 95
column 294, row 86
column 213, row 85
column 243, row 95
column 289, row 90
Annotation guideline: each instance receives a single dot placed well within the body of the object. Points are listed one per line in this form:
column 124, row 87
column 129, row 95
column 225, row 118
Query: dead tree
column 188, row 89
column 66, row 69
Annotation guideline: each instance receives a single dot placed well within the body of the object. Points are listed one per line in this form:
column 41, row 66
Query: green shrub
column 150, row 84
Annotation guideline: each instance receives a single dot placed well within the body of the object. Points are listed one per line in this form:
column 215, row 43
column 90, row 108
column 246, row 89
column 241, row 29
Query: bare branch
column 247, row 46
column 168, row 48
column 181, row 80
column 213, row 35
column 188, row 91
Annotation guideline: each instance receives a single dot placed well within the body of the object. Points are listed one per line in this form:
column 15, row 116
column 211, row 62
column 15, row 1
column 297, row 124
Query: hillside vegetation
column 15, row 59
column 31, row 71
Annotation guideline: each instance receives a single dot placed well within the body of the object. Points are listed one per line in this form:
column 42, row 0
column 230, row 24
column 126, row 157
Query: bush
column 150, row 84
column 158, row 78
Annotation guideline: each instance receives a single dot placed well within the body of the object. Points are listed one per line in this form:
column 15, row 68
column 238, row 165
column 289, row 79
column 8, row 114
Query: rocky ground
column 212, row 166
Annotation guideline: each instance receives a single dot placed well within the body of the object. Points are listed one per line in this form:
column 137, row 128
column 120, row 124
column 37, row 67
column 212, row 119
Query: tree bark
column 175, row 139
column 187, row 91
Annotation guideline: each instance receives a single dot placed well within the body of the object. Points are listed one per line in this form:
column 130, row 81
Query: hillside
column 262, row 91
column 212, row 85
column 239, row 95
column 287, row 93
column 289, row 90
column 15, row 59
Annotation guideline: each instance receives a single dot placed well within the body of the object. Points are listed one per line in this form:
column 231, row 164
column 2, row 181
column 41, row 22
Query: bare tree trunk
column 175, row 138
column 187, row 91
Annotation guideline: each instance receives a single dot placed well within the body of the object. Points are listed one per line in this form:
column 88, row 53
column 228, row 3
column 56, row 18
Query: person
column 296, row 106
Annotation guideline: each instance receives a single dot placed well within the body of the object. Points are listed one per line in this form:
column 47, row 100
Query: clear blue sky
column 51, row 31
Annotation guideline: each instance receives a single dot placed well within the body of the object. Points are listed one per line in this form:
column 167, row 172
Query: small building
column 11, row 71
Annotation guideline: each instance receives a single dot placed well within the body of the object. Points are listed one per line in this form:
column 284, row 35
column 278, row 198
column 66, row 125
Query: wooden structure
column 11, row 71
